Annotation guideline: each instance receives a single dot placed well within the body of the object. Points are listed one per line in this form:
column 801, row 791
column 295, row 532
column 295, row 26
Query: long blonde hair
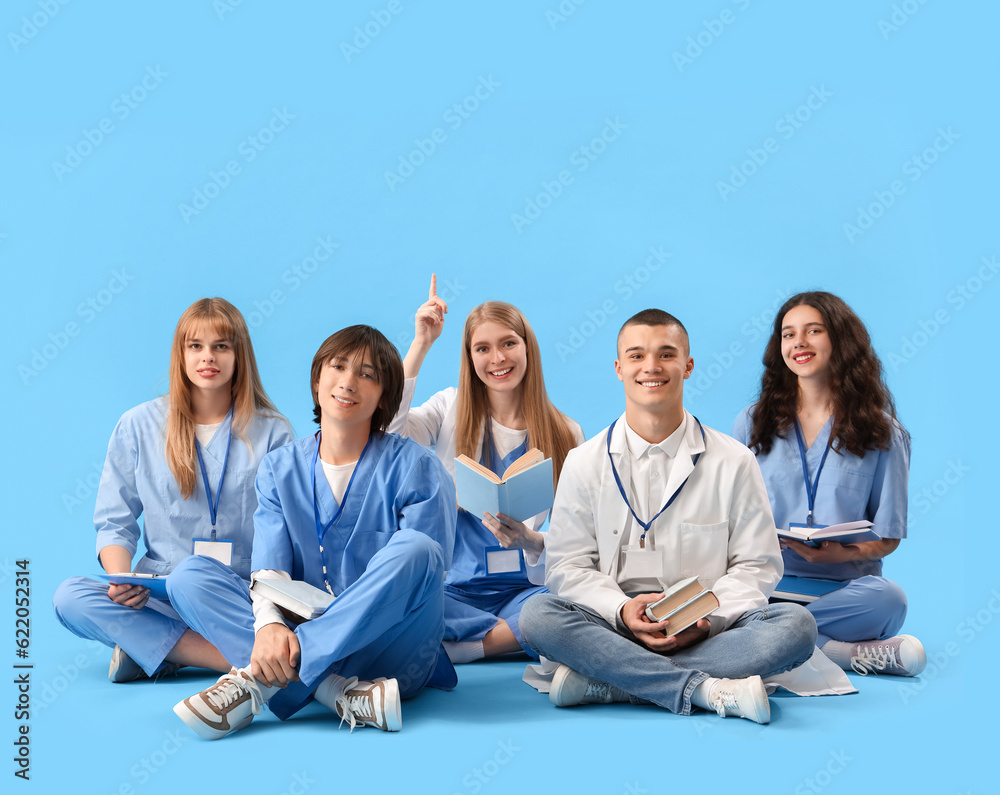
column 548, row 428
column 248, row 395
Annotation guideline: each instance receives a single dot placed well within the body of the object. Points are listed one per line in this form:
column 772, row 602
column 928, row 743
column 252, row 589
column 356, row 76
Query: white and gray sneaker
column 371, row 704
column 124, row 669
column 570, row 688
column 741, row 698
column 902, row 655
column 226, row 706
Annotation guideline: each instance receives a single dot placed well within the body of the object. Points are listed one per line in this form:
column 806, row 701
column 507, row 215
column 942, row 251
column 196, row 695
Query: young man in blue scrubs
column 654, row 499
column 367, row 516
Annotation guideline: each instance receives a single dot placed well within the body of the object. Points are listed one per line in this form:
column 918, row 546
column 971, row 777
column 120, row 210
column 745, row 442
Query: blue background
column 710, row 158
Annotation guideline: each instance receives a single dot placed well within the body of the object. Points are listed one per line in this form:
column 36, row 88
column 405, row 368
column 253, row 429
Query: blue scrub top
column 397, row 485
column 136, row 481
column 850, row 489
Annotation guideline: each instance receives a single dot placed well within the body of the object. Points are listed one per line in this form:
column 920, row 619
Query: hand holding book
column 656, row 634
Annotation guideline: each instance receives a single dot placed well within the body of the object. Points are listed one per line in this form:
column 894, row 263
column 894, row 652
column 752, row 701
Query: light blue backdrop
column 315, row 162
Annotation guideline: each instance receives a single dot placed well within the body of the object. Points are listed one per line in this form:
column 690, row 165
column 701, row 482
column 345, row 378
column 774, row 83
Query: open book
column 843, row 533
column 683, row 604
column 157, row 583
column 302, row 600
column 524, row 490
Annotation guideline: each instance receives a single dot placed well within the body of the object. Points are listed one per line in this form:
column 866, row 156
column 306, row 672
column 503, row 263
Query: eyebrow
column 345, row 360
column 475, row 343
column 198, row 339
column 661, row 348
column 807, row 325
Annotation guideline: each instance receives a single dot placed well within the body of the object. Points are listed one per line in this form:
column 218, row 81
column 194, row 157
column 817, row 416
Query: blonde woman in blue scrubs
column 831, row 450
column 186, row 465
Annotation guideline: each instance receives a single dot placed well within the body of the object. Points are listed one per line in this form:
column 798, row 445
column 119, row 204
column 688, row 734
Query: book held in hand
column 843, row 533
column 157, row 583
column 524, row 490
column 683, row 604
column 302, row 600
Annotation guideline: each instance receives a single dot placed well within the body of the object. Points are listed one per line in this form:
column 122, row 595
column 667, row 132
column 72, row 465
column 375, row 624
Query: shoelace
column 874, row 659
column 230, row 687
column 598, row 690
column 353, row 707
column 723, row 700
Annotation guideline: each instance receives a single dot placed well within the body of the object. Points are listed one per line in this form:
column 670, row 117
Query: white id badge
column 640, row 564
column 222, row 551
column 504, row 561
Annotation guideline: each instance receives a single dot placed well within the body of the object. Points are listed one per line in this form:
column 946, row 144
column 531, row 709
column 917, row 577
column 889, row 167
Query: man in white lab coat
column 653, row 500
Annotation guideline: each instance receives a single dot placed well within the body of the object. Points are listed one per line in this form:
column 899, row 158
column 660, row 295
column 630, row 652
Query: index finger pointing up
column 434, row 286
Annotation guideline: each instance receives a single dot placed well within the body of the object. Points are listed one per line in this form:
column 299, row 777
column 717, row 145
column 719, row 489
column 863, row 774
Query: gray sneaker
column 124, row 669
column 902, row 655
column 570, row 688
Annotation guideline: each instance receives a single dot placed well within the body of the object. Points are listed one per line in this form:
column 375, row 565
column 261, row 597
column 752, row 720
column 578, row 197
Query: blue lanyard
column 621, row 489
column 320, row 527
column 810, row 491
column 490, row 452
column 213, row 507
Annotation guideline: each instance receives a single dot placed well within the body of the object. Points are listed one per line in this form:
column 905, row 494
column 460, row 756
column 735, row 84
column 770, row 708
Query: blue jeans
column 766, row 641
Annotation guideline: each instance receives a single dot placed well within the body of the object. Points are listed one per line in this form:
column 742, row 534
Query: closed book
column 683, row 604
column 303, row 600
column 524, row 490
column 843, row 533
column 804, row 589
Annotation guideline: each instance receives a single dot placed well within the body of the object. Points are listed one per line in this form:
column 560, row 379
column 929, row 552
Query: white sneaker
column 570, row 688
column 741, row 698
column 371, row 704
column 225, row 707
column 124, row 669
column 902, row 655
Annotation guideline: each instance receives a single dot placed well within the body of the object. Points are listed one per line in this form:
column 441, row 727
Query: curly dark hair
column 862, row 403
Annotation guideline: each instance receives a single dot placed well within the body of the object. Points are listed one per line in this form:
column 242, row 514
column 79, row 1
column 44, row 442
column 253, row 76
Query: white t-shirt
column 506, row 439
column 204, row 433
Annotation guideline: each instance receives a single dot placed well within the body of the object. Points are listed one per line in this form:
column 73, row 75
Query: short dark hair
column 353, row 343
column 655, row 317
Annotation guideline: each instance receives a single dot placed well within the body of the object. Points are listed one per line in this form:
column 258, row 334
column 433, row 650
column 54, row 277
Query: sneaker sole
column 391, row 708
column 558, row 680
column 760, row 707
column 194, row 722
column 920, row 661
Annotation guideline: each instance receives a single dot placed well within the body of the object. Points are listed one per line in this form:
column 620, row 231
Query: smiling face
column 805, row 342
column 499, row 356
column 348, row 391
column 652, row 363
column 209, row 360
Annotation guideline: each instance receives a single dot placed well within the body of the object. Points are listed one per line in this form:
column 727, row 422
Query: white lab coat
column 719, row 529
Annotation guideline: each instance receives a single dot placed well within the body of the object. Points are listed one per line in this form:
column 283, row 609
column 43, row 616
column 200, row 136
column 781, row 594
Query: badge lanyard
column 213, row 507
column 320, row 527
column 810, row 491
column 621, row 489
column 498, row 559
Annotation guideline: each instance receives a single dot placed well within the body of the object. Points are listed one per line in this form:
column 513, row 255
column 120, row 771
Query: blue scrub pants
column 469, row 616
column 765, row 641
column 868, row 608
column 388, row 623
column 147, row 635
